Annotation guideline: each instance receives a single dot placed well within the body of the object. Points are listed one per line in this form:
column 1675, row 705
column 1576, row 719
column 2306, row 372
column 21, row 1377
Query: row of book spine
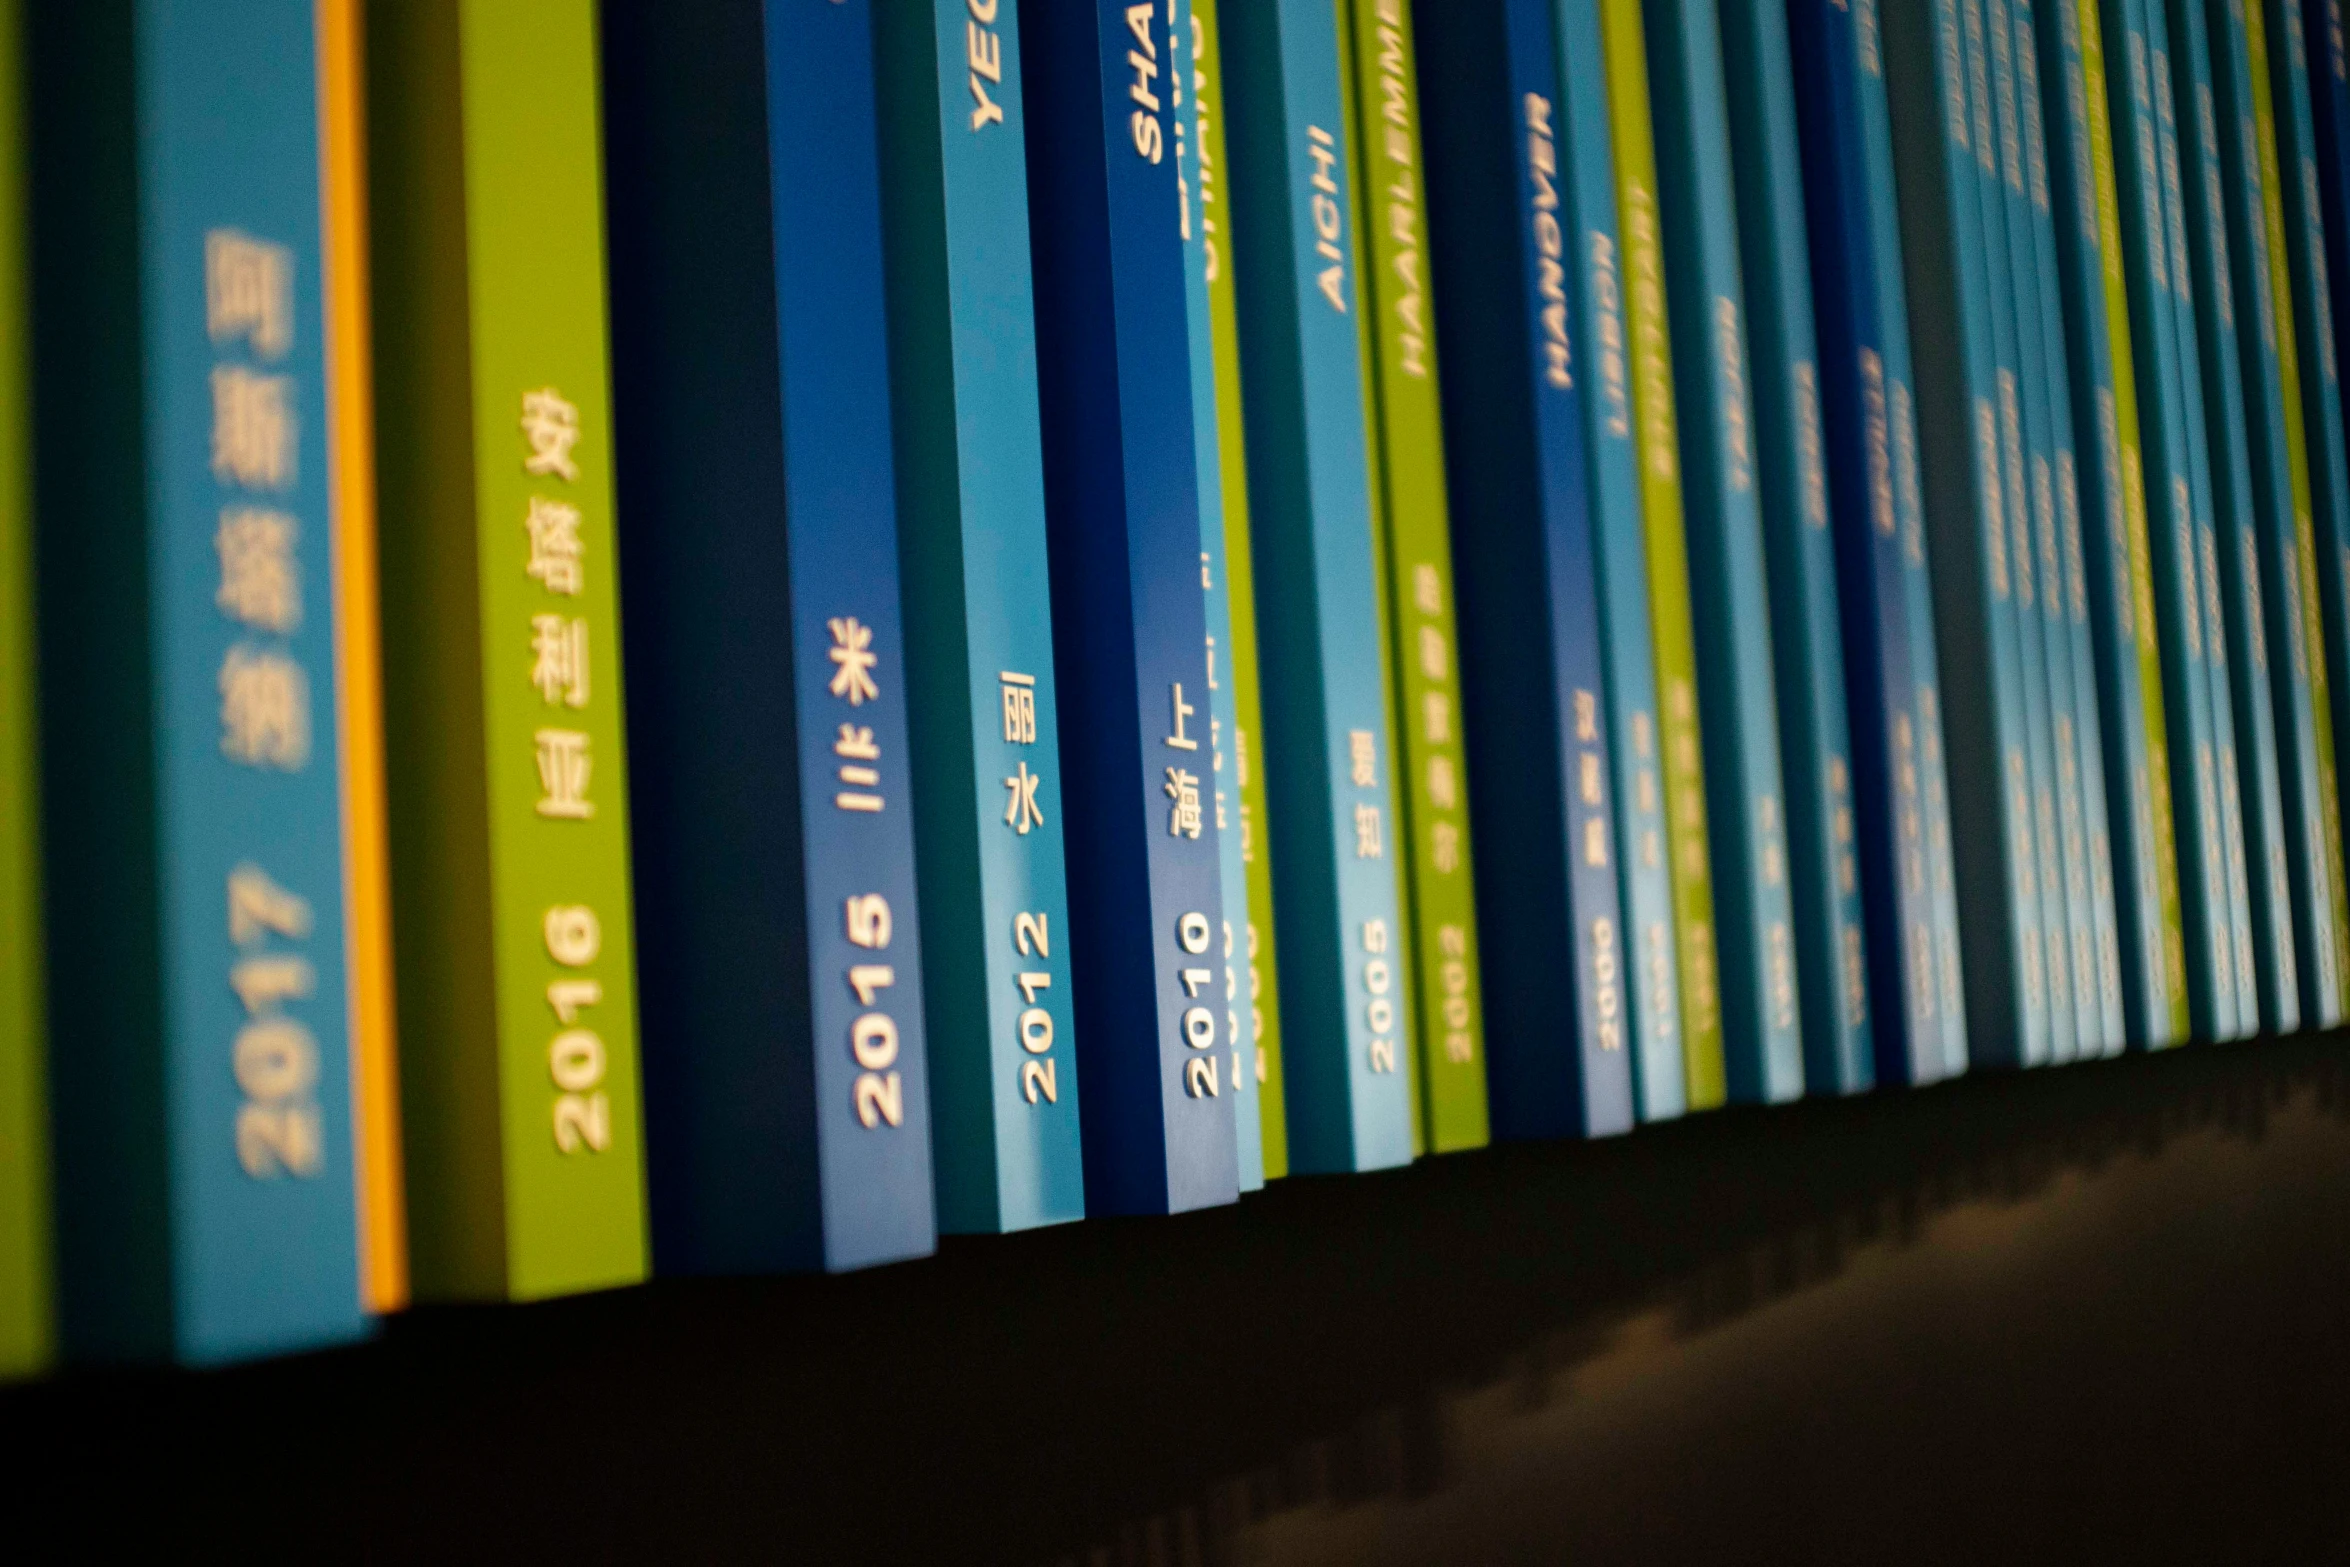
column 1210, row 592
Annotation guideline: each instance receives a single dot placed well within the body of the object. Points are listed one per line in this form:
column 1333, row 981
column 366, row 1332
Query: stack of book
column 722, row 646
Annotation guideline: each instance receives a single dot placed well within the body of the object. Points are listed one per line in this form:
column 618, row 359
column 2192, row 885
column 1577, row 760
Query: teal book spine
column 2025, row 475
column 2235, row 935
column 191, row 761
column 1200, row 260
column 981, row 698
column 1587, row 179
column 1938, row 125
column 2233, row 566
column 1345, row 1045
column 2077, row 730
column 1745, row 793
column 2171, row 533
column 1901, row 417
column 28, row 1317
column 2288, row 557
column 2313, row 306
column 1839, row 1052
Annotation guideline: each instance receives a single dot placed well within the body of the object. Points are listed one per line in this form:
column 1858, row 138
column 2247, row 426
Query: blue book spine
column 193, row 832
column 1525, row 557
column 1938, row 123
column 978, row 601
column 2314, row 316
column 1800, row 550
column 2171, row 531
column 2028, row 469
column 1130, row 622
column 1223, row 712
column 1595, row 274
column 2236, row 933
column 2107, row 485
column 1745, row 792
column 2064, row 599
column 1336, row 909
column 787, row 1102
column 2232, row 571
column 2313, row 811
column 1933, row 787
column 1888, row 813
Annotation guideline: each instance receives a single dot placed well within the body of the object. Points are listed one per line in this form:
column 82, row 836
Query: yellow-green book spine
column 1398, row 323
column 1668, row 551
column 1264, row 992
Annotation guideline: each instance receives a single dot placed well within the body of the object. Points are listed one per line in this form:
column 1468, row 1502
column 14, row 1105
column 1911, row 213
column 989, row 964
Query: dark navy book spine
column 787, row 1104
column 1524, row 554
column 1129, row 619
column 1888, row 812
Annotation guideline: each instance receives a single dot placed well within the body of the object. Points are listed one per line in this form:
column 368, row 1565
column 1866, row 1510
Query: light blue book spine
column 1343, row 1024
column 2064, row 598
column 2232, row 569
column 1659, row 1085
column 1938, row 125
column 202, row 1099
column 2171, row 533
column 2203, row 570
column 2025, row 469
column 1745, row 793
column 2313, row 319
column 2308, row 794
column 1800, row 557
column 978, row 596
column 1918, row 607
column 2110, row 654
column 1223, row 712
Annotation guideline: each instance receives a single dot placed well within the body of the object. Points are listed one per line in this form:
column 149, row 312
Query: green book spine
column 2167, row 1021
column 27, row 1320
column 1407, row 464
column 1626, row 45
column 509, row 779
column 1264, row 990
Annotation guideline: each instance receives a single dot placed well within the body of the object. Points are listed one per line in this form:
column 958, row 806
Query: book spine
column 2064, row 600
column 1535, row 725
column 981, row 698
column 2235, row 934
column 1799, row 554
column 1121, row 490
column 1224, row 713
column 2028, row 470
column 1755, row 926
column 2287, row 538
column 28, row 1327
column 2233, row 569
column 1345, row 1031
column 1252, row 824
column 1933, row 789
column 2119, row 568
column 2295, row 205
column 1888, row 850
column 1596, row 282
column 1407, row 440
column 2292, row 574
column 2171, row 536
column 367, row 916
column 1938, row 122
column 1688, row 853
column 192, row 767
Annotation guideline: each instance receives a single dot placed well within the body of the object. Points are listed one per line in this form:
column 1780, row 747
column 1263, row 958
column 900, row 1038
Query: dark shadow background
column 2095, row 1313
